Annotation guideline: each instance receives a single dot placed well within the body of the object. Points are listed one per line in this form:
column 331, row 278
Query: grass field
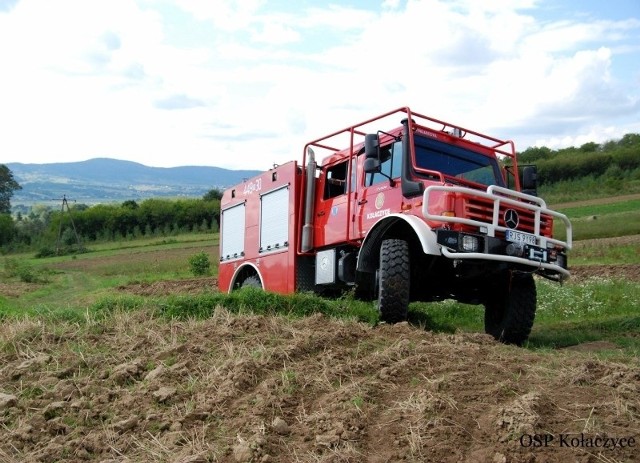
column 602, row 219
column 587, row 310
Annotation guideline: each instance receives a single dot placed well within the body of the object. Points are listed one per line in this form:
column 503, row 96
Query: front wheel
column 394, row 277
column 510, row 308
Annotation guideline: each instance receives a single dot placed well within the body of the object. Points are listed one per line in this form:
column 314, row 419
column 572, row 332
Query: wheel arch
column 242, row 273
column 407, row 227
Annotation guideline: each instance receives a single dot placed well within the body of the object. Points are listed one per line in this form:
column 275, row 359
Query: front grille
column 481, row 209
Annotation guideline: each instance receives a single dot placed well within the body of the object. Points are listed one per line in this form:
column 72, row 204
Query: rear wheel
column 393, row 279
column 510, row 308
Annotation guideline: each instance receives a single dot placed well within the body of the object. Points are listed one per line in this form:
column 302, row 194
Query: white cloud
column 276, row 34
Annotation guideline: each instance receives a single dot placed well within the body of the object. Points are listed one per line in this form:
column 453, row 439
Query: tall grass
column 596, row 309
column 253, row 300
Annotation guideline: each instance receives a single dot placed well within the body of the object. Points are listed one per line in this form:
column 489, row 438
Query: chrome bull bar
column 502, row 196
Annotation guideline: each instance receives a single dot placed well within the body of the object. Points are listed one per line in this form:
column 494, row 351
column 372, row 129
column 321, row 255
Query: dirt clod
column 126, row 372
column 7, row 401
column 155, row 373
column 280, row 426
column 126, row 425
column 33, row 361
column 242, row 452
column 164, row 394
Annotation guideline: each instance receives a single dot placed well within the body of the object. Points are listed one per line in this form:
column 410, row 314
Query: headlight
column 460, row 242
column 470, row 243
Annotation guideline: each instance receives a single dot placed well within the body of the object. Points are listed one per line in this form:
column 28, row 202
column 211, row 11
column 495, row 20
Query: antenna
column 65, row 202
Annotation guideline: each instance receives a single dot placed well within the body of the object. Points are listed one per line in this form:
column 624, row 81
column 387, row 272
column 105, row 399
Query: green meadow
column 97, row 283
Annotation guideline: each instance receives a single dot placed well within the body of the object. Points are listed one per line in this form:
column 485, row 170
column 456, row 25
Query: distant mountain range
column 110, row 180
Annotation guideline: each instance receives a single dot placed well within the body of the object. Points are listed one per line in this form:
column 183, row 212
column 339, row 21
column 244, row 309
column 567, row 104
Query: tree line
column 45, row 228
column 610, row 161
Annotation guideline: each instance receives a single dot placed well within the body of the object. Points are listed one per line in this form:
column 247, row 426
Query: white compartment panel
column 274, row 219
column 233, row 220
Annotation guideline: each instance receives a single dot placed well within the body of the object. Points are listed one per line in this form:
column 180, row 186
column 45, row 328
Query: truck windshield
column 457, row 162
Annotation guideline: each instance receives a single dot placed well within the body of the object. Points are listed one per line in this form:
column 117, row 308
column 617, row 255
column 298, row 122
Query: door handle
column 320, row 214
column 361, row 202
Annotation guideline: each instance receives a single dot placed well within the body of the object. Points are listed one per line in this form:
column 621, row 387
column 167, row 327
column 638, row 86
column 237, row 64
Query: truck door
column 332, row 223
column 379, row 198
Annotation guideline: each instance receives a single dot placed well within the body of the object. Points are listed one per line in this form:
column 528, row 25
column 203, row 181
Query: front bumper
column 543, row 254
column 467, row 246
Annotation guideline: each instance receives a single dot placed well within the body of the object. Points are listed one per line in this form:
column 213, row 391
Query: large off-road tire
column 510, row 308
column 394, row 276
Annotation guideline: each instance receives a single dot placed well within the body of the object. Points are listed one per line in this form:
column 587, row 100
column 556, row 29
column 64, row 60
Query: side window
column 391, row 164
column 336, row 181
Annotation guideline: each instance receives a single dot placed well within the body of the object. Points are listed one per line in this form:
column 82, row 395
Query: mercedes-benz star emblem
column 511, row 218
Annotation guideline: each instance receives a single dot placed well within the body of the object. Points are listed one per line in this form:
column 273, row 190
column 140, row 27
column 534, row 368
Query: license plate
column 519, row 237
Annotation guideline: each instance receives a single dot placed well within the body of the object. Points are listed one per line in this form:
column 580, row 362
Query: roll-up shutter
column 274, row 219
column 233, row 232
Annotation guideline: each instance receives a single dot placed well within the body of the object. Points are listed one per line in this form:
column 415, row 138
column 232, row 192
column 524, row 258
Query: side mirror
column 371, row 165
column 371, row 145
column 371, row 153
column 530, row 180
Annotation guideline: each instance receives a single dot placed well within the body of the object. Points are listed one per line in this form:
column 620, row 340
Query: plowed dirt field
column 240, row 388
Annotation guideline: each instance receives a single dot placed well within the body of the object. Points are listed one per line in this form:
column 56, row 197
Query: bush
column 200, row 264
column 23, row 271
column 64, row 251
column 45, row 252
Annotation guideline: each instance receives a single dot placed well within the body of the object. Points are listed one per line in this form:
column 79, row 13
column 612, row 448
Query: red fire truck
column 403, row 207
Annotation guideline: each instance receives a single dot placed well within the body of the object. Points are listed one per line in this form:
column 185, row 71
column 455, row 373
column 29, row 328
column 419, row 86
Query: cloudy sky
column 244, row 84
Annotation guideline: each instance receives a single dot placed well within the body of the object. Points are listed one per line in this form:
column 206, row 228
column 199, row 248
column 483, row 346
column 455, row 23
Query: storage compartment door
column 274, row 219
column 232, row 237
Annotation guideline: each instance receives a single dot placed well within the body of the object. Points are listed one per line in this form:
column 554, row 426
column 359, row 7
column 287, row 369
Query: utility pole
column 65, row 202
